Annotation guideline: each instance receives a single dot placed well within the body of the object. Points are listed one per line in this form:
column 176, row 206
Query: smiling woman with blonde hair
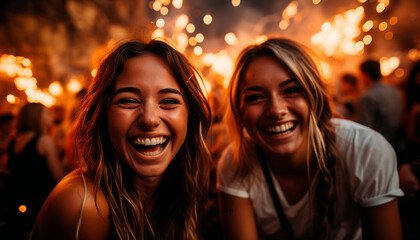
column 294, row 172
column 145, row 163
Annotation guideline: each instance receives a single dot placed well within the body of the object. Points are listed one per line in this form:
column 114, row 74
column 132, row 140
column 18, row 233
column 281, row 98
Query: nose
column 277, row 107
column 150, row 116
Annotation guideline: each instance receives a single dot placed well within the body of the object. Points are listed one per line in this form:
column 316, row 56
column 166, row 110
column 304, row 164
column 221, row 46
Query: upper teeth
column 150, row 141
column 281, row 128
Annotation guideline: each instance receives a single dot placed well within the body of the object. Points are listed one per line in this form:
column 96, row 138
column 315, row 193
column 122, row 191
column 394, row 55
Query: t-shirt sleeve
column 226, row 180
column 372, row 166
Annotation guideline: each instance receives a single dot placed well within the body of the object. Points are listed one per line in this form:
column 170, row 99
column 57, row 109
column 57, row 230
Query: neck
column 290, row 165
column 147, row 188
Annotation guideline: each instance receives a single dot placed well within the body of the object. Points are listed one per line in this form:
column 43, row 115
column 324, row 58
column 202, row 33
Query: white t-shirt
column 367, row 177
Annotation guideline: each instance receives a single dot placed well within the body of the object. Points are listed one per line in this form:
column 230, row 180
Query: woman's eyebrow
column 288, row 81
column 126, row 89
column 169, row 90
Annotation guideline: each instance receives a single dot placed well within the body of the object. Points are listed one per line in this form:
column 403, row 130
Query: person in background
column 34, row 167
column 349, row 95
column 140, row 135
column 409, row 169
column 380, row 105
column 292, row 171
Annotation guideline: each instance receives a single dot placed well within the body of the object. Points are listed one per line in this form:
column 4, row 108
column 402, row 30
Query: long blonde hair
column 321, row 138
column 185, row 181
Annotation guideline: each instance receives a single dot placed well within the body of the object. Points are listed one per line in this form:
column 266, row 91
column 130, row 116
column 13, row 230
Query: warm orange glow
column 94, row 72
column 283, row 24
column 160, row 23
column 192, row 41
column 207, row 19
column 74, row 85
column 367, row 26
column 208, row 59
column 367, row 39
column 11, row 98
column 389, row 35
column 326, row 27
column 190, row 28
column 393, row 20
column 26, row 62
column 158, row 33
column 164, row 11
column 380, row 7
column 399, row 73
column 198, row 50
column 231, row 39
column 388, row 65
column 177, row 4
column 383, row 26
column 316, row 1
column 260, row 39
column 290, row 10
column 55, row 89
column 157, row 6
column 413, row 54
column 337, row 38
column 199, row 37
column 23, row 83
column 38, row 95
column 22, row 208
column 181, row 21
column 236, row 3
column 165, row 2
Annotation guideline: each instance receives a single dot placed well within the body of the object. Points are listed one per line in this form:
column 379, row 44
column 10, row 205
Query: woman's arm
column 382, row 222
column 59, row 217
column 46, row 147
column 237, row 218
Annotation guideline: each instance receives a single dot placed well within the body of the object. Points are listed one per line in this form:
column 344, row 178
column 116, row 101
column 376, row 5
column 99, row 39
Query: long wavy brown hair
column 321, row 138
column 185, row 181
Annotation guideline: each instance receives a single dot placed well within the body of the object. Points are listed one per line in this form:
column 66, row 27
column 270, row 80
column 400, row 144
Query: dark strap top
column 30, row 180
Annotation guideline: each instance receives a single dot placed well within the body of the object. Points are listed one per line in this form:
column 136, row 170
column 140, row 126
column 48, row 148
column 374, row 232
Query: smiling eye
column 253, row 98
column 292, row 90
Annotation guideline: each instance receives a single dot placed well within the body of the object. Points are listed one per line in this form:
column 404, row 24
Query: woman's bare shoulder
column 59, row 217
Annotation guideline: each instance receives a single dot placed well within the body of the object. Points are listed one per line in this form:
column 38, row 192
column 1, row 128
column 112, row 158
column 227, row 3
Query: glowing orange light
column 283, row 24
column 231, row 39
column 367, row 26
column 316, row 1
column 93, row 72
column 177, row 4
column 290, row 10
column 74, row 85
column 164, row 11
column 26, row 62
column 199, row 37
column 157, row 6
column 160, row 23
column 393, row 20
column 380, row 7
column 413, row 54
column 236, row 3
column 399, row 73
column 389, row 35
column 181, row 21
column 383, row 26
column 22, row 208
column 192, row 41
column 55, row 88
column 367, row 39
column 198, row 50
column 207, row 19
column 158, row 33
column 190, row 28
column 11, row 98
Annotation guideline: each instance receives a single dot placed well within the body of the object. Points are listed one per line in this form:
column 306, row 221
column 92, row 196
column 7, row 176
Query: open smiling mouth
column 149, row 146
column 282, row 129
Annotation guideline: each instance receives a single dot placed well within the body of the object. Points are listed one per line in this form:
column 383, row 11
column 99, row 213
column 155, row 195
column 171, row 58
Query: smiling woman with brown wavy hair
column 145, row 163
